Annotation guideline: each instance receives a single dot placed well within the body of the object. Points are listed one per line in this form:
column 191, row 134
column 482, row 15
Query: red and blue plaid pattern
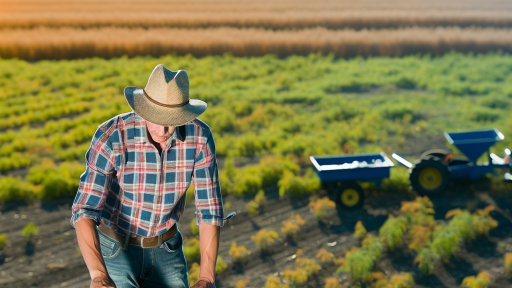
column 134, row 188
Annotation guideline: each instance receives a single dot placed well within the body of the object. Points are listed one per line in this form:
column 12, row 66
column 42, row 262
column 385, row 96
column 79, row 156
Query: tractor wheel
column 349, row 196
column 430, row 176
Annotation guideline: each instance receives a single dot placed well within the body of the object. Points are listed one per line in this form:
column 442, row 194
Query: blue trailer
column 339, row 174
column 431, row 173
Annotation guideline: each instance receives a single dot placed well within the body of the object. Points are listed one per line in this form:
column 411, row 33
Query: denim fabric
column 162, row 266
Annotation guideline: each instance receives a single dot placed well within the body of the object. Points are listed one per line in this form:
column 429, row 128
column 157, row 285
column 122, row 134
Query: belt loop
column 160, row 240
column 126, row 240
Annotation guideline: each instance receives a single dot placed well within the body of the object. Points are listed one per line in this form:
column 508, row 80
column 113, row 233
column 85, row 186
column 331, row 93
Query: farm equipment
column 429, row 175
column 341, row 173
column 432, row 172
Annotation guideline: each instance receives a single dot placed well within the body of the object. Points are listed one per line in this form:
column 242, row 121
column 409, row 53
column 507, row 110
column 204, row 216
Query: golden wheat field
column 36, row 29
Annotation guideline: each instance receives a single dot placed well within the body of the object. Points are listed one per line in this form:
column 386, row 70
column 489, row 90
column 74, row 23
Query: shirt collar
column 140, row 124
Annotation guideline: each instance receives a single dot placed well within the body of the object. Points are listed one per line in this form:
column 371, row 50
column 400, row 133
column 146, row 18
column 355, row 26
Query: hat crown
column 167, row 86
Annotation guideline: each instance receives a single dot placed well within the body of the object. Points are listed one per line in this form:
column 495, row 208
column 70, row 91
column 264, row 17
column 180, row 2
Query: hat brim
column 159, row 115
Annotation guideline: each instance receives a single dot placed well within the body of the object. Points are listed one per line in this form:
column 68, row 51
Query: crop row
column 70, row 43
column 376, row 19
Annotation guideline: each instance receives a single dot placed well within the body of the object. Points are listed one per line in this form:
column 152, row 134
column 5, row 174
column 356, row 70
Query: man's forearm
column 209, row 245
column 90, row 246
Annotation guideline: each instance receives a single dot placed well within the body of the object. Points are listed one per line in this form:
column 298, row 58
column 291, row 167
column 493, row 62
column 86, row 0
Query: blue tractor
column 433, row 170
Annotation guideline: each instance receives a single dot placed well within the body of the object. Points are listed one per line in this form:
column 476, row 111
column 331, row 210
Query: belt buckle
column 159, row 239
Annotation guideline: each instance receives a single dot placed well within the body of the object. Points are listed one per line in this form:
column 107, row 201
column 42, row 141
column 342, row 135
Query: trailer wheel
column 430, row 176
column 349, row 196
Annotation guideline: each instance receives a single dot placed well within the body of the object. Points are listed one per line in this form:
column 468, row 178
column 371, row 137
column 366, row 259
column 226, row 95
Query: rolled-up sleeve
column 95, row 181
column 208, row 198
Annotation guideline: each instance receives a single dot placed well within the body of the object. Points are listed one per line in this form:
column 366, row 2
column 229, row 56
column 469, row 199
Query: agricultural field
column 36, row 29
column 268, row 115
column 283, row 80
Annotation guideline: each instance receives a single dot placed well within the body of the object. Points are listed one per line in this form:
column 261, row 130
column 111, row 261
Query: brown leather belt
column 144, row 242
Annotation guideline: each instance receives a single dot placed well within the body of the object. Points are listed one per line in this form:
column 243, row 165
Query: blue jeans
column 162, row 266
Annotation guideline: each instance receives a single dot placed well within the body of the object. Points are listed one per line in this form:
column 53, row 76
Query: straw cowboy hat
column 165, row 99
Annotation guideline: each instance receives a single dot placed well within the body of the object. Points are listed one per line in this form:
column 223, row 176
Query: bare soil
column 55, row 260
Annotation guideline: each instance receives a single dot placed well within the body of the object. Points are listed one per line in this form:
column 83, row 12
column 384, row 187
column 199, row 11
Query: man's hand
column 102, row 282
column 203, row 284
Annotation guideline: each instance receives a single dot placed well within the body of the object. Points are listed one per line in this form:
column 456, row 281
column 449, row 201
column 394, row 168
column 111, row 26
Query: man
column 132, row 193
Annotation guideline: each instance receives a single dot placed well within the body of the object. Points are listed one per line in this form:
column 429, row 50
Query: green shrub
column 360, row 231
column 275, row 282
column 426, row 259
column 260, row 198
column 238, row 252
column 264, row 238
column 295, row 277
column 308, row 265
column 193, row 273
column 253, row 208
column 3, row 241
column 13, row 188
column 446, row 242
column 191, row 250
column 403, row 280
column 482, row 280
column 220, row 265
column 391, row 232
column 373, row 245
column 194, row 229
column 30, row 231
column 360, row 263
column 326, row 257
column 322, row 207
column 331, row 282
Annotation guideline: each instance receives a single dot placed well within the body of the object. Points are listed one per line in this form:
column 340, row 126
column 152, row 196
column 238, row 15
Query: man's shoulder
column 203, row 130
column 110, row 128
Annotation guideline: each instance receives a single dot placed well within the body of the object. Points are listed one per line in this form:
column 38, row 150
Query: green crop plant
column 483, row 222
column 322, row 207
column 508, row 264
column 3, row 241
column 289, row 229
column 193, row 273
column 239, row 253
column 331, row 282
column 260, row 197
column 446, row 242
column 292, row 226
column 191, row 250
column 426, row 259
column 264, row 238
column 275, row 282
column 359, row 230
column 326, row 257
column 242, row 283
column 220, row 265
column 373, row 245
column 13, row 188
column 253, row 208
column 30, row 231
column 402, row 280
column 391, row 232
column 295, row 277
column 194, row 229
column 308, row 265
column 360, row 265
column 462, row 222
column 482, row 280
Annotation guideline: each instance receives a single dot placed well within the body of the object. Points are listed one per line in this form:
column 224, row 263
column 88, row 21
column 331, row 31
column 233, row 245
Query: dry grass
column 378, row 19
column 68, row 43
column 247, row 5
column 282, row 14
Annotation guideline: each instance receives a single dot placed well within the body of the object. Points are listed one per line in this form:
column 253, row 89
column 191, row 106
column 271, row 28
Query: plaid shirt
column 128, row 184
